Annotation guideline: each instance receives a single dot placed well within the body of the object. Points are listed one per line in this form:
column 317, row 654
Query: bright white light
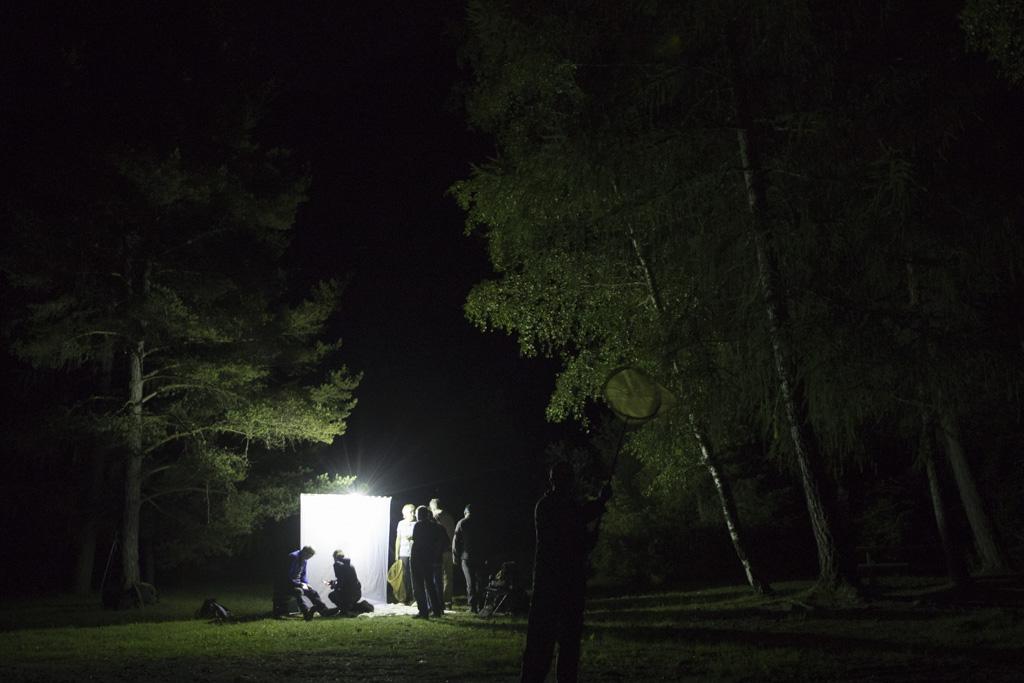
column 357, row 524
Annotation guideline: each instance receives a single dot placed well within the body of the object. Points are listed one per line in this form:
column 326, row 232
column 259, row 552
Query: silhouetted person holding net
column 559, row 577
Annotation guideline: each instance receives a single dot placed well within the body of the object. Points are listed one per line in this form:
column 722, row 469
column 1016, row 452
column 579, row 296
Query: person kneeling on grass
column 346, row 590
column 297, row 585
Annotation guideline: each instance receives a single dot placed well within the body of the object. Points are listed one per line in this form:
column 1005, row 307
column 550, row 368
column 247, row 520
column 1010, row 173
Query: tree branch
column 175, row 387
column 167, row 492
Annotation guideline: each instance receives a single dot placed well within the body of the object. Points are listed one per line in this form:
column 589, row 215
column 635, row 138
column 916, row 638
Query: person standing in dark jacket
column 467, row 548
column 428, row 542
column 444, row 518
column 346, row 590
column 559, row 577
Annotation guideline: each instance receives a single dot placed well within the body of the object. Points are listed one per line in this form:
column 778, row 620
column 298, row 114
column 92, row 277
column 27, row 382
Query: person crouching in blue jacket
column 297, row 583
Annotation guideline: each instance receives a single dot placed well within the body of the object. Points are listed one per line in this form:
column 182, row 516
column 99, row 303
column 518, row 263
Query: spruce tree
column 175, row 269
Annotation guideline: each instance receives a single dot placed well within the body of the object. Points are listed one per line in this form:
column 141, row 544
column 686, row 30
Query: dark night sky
column 440, row 401
column 365, row 97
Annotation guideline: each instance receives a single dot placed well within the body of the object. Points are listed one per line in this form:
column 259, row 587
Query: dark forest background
column 803, row 219
column 246, row 247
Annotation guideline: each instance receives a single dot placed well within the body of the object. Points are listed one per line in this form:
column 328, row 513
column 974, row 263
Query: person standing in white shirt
column 403, row 549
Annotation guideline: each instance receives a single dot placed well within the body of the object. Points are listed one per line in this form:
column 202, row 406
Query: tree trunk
column 835, row 572
column 990, row 552
column 133, row 475
column 729, row 513
column 725, row 495
column 955, row 566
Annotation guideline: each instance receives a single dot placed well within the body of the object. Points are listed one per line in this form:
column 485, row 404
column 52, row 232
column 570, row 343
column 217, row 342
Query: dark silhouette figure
column 559, row 577
column 467, row 548
column 346, row 590
column 444, row 518
column 428, row 542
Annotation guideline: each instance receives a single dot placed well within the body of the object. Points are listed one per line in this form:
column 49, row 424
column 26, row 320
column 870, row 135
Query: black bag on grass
column 212, row 609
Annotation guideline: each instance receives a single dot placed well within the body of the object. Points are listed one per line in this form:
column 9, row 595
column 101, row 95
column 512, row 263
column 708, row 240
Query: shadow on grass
column 64, row 611
column 818, row 642
column 671, row 598
column 99, row 618
column 759, row 613
column 761, row 639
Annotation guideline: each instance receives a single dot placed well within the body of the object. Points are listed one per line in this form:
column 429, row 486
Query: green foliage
column 225, row 504
column 997, row 28
column 177, row 254
column 614, row 222
column 328, row 483
column 618, row 223
column 643, row 537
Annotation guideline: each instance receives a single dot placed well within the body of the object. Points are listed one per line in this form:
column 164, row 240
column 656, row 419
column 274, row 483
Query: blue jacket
column 297, row 569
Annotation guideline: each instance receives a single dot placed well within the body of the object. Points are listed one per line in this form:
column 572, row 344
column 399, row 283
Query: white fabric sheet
column 359, row 526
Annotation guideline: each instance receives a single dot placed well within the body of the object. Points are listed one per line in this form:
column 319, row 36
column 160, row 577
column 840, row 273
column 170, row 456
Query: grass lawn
column 721, row 634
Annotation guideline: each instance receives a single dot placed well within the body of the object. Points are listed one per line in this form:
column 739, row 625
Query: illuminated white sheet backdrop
column 356, row 524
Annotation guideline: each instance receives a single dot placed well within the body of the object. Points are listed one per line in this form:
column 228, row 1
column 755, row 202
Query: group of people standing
column 566, row 531
column 427, row 543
